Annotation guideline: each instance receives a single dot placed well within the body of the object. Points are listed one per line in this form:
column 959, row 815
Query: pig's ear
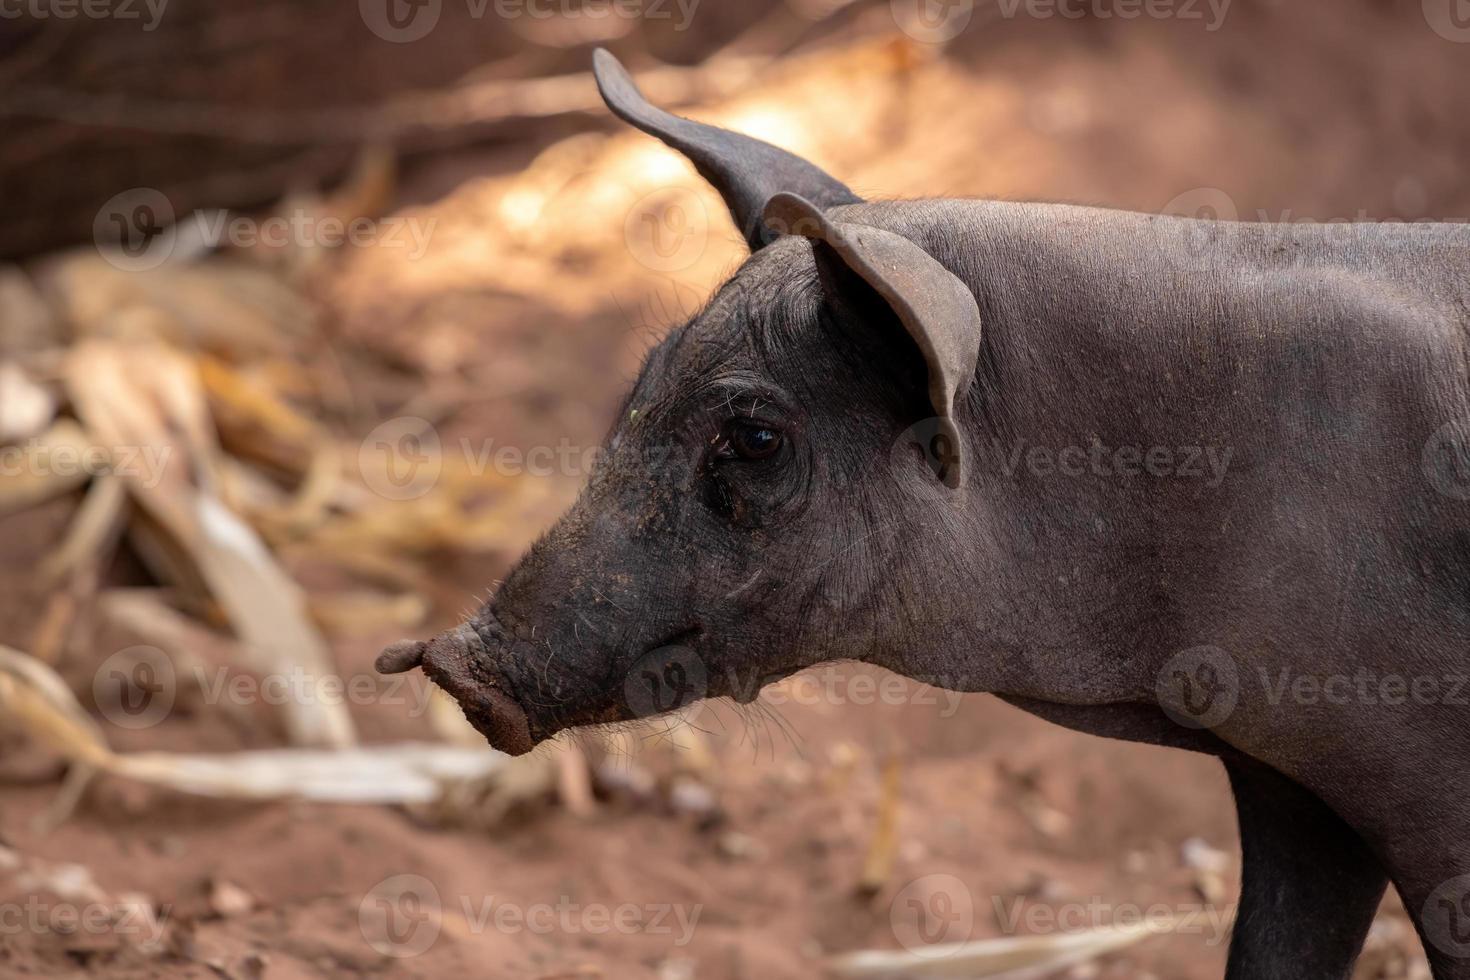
column 938, row 311
column 745, row 170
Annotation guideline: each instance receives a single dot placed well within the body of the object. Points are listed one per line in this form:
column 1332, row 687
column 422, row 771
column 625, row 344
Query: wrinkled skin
column 741, row 569
column 1328, row 537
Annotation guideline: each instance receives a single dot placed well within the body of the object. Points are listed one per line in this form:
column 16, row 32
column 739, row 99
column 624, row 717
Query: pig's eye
column 750, row 440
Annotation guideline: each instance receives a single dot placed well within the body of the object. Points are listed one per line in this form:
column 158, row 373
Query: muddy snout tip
column 457, row 662
column 402, row 656
column 500, row 720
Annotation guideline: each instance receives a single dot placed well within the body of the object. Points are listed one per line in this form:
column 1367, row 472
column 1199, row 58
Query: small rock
column 252, row 966
column 693, row 798
column 738, row 846
column 150, row 931
column 1385, row 931
column 913, row 851
column 623, row 778
column 25, row 406
column 169, row 845
column 1052, row 890
column 1202, row 857
column 679, row 969
column 228, row 899
column 797, row 773
column 843, row 754
column 1045, row 819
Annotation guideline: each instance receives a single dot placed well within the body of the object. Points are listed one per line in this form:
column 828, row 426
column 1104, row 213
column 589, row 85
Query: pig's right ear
column 746, row 171
column 936, row 309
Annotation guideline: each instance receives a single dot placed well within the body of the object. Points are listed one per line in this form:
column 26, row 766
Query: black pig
column 1194, row 483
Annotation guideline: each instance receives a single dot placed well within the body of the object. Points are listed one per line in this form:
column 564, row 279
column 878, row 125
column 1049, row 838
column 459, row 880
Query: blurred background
column 311, row 317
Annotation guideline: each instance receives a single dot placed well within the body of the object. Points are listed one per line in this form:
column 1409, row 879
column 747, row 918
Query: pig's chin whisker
column 771, row 717
column 640, row 731
column 685, row 719
column 710, row 707
column 783, row 724
column 672, row 723
column 599, row 738
column 747, row 730
column 761, row 725
column 756, row 718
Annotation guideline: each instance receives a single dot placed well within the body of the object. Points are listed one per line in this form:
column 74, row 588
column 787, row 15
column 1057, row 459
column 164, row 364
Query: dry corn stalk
column 1008, row 958
column 93, row 532
column 35, row 701
column 256, row 423
column 884, row 846
column 134, row 396
column 26, row 407
column 217, row 305
column 47, row 466
column 194, row 650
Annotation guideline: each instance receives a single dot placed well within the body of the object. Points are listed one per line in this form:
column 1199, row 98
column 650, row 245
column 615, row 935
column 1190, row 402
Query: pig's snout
column 457, row 661
column 400, row 657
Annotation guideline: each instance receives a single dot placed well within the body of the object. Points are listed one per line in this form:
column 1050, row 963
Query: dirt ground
column 742, row 855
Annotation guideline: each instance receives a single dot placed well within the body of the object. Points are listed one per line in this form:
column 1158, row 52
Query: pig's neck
column 1104, row 422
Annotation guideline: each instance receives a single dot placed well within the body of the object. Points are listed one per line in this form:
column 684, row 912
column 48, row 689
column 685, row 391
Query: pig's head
column 750, row 515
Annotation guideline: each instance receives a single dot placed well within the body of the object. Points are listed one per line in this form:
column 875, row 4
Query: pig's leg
column 1309, row 885
column 1438, row 900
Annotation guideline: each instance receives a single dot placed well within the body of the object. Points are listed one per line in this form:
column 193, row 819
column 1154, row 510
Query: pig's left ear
column 746, row 171
column 935, row 307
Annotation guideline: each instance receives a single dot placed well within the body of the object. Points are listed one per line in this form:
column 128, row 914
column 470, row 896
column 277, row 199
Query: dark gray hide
column 1208, row 488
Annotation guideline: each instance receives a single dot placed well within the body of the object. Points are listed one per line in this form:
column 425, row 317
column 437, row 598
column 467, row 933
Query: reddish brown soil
column 1288, row 108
